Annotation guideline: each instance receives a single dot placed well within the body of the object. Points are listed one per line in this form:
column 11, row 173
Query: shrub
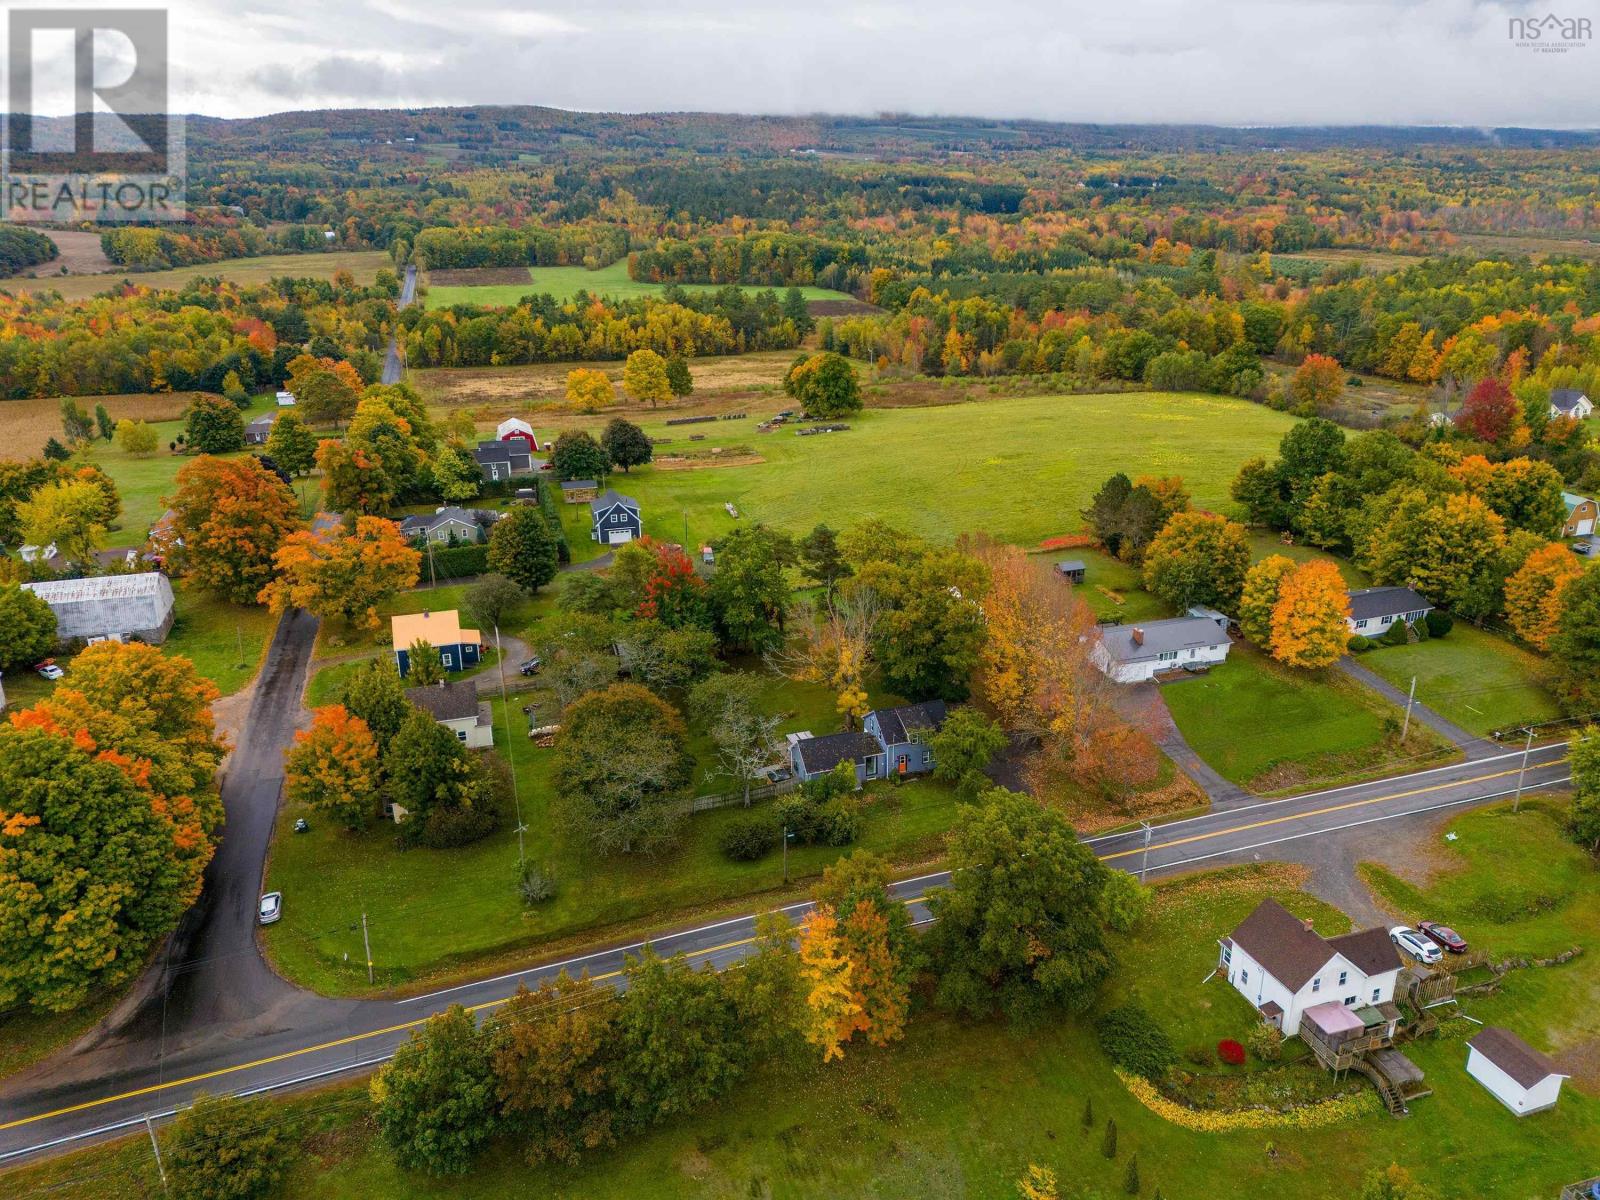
column 535, row 885
column 820, row 817
column 1108, row 1143
column 1265, row 1042
column 1130, row 1179
column 456, row 562
column 1230, row 1052
column 1396, row 635
column 748, row 838
column 1439, row 623
column 1420, row 628
column 1131, row 1039
column 224, row 1148
column 1200, row 1056
column 1359, row 644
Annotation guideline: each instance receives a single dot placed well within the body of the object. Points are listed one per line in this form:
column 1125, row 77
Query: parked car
column 271, row 908
column 1414, row 944
column 1583, row 547
column 49, row 669
column 1444, row 936
column 531, row 666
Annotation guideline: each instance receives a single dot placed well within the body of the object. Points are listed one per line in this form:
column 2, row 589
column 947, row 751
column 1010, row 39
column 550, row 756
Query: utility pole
column 505, row 704
column 156, row 1146
column 433, row 577
column 238, row 634
column 786, row 854
column 1516, row 804
column 1410, row 700
column 1144, row 862
column 686, row 531
column 367, row 943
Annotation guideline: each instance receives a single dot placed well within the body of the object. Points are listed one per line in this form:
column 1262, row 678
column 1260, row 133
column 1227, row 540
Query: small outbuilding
column 286, row 400
column 1072, row 569
column 1516, row 1074
column 258, row 431
column 135, row 606
column 576, row 491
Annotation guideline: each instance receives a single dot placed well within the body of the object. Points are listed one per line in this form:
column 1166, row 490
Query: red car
column 1444, row 936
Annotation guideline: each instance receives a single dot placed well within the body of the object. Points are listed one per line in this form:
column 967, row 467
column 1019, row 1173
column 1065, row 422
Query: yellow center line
column 360, row 1037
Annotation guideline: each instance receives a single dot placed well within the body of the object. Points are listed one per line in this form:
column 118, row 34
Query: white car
column 271, row 907
column 49, row 670
column 1413, row 943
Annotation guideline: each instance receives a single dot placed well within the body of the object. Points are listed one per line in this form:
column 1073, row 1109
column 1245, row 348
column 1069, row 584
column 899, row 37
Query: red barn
column 516, row 429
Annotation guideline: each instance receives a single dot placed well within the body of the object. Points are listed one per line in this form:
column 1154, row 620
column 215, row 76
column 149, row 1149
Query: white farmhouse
column 1516, row 1074
column 1289, row 972
column 1374, row 609
column 455, row 705
column 1135, row 653
column 109, row 606
column 1570, row 402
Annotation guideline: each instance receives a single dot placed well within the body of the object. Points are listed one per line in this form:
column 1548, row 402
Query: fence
column 765, row 791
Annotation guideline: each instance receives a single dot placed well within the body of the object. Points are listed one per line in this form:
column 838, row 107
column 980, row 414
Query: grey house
column 900, row 732
column 1135, row 653
column 467, row 524
column 258, row 431
column 1373, row 610
column 812, row 757
column 614, row 519
column 503, row 460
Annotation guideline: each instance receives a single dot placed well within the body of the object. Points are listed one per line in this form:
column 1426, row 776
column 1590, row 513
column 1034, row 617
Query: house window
column 1344, row 978
column 1227, row 954
column 616, row 518
column 1361, row 624
column 1316, row 985
column 1167, row 656
column 1244, row 974
column 872, row 768
column 1377, row 993
column 461, row 735
column 1350, row 1001
column 448, row 659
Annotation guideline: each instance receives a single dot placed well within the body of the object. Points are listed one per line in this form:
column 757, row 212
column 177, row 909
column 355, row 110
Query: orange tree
column 333, row 766
column 1308, row 622
column 832, row 1012
column 1317, row 382
column 343, row 575
column 1534, row 593
column 874, row 932
column 228, row 519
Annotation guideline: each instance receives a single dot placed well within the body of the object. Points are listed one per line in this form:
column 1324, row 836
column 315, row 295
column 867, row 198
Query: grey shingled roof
column 1162, row 637
column 1371, row 950
column 1366, row 603
column 1566, row 399
column 609, row 499
column 448, row 701
column 899, row 724
column 825, row 753
column 501, row 451
column 480, row 517
column 1513, row 1055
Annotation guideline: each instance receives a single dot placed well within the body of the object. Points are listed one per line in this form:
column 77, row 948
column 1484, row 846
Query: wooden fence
column 765, row 791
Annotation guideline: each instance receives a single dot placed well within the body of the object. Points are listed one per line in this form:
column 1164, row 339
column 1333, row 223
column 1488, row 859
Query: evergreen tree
column 104, row 423
column 1108, row 1143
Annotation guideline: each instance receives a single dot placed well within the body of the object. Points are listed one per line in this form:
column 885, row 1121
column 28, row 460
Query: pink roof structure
column 1333, row 1019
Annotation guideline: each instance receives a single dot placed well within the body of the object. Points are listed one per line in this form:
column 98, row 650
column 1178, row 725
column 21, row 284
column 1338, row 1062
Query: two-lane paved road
column 326, row 1038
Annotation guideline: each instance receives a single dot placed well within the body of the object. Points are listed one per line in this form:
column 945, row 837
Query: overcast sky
column 1224, row 61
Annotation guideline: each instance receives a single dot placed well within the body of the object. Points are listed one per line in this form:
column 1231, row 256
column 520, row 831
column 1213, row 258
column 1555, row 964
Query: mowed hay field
column 28, row 424
column 1021, row 469
column 501, row 391
column 565, row 282
column 363, row 264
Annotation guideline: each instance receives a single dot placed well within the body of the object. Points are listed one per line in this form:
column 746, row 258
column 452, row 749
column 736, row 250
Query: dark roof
column 1566, row 399
column 1281, row 943
column 899, row 724
column 1071, row 564
column 572, row 485
column 1272, row 1009
column 1367, row 603
column 1158, row 637
column 501, row 451
column 467, row 516
column 609, row 499
column 1371, row 950
column 825, row 753
column 1513, row 1055
column 447, row 701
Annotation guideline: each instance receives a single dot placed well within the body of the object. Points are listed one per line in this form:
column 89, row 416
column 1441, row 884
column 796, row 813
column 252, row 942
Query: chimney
column 1308, row 925
column 1138, row 635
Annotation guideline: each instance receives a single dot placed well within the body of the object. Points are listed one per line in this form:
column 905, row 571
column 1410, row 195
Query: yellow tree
column 333, row 766
column 1534, row 593
column 878, row 987
column 67, row 515
column 1260, row 596
column 832, row 1013
column 644, row 376
column 852, row 701
column 1308, row 622
column 833, row 647
column 1037, row 1183
column 589, row 391
column 343, row 575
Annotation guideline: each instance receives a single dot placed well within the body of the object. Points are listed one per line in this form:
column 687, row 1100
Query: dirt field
column 517, row 388
column 842, row 308
column 363, row 264
column 480, row 277
column 29, row 423
column 80, row 255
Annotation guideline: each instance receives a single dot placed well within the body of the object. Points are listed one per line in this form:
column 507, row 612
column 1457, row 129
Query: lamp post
column 786, row 836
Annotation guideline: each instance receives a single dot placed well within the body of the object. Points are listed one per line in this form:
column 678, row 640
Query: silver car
column 1413, row 943
column 271, row 908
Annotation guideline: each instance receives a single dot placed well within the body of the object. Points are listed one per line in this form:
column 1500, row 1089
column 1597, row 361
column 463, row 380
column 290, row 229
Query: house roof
column 448, row 700
column 500, row 451
column 1071, row 564
column 101, row 587
column 825, row 753
column 436, row 628
column 609, row 499
column 1282, row 944
column 899, row 724
column 1370, row 950
column 1366, row 603
column 1513, row 1055
column 1161, row 637
column 1333, row 1017
column 447, row 514
column 266, row 420
column 1572, row 500
column 1566, row 399
column 574, row 485
column 512, row 425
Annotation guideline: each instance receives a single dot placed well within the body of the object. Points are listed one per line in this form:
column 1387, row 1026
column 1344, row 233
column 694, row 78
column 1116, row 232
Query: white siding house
column 1570, row 402
column 1284, row 967
column 455, row 705
column 1373, row 610
column 1135, row 653
column 1516, row 1074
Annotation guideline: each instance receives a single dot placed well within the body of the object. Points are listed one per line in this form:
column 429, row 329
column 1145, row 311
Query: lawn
column 565, row 282
column 1480, row 681
column 363, row 264
column 1267, row 727
column 224, row 641
column 959, row 1108
column 1263, row 544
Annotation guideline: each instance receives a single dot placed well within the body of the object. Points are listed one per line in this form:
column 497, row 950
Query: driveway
column 1469, row 744
column 1146, row 704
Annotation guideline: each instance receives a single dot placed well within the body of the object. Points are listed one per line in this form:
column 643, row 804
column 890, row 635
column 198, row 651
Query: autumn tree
column 1316, row 384
column 1489, row 411
column 874, row 933
column 673, row 593
column 76, row 425
column 1309, row 627
column 68, row 514
column 930, row 632
column 832, row 1012
column 523, row 549
column 963, row 747
column 1583, row 820
column 1124, row 516
column 825, row 384
column 326, row 391
column 27, row 627
column 291, row 445
column 1198, row 558
column 1038, row 1183
column 833, row 647
column 626, row 444
column 554, row 1054
column 644, row 376
column 678, row 1039
column 1575, row 645
column 1525, row 494
column 138, row 439
column 1259, row 597
column 588, row 391
column 576, row 455
column 435, row 1101
column 1535, row 594
column 375, row 694
column 343, row 575
column 333, row 766
column 1450, row 548
column 423, row 664
column 1020, row 927
column 229, row 518
column 225, row 1148
column 213, row 425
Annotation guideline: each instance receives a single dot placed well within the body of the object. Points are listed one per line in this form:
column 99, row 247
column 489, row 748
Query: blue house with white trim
column 614, row 519
column 459, row 649
column 891, row 742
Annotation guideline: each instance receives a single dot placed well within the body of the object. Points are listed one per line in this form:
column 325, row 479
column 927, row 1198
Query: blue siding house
column 614, row 519
column 458, row 648
column 813, row 757
column 889, row 744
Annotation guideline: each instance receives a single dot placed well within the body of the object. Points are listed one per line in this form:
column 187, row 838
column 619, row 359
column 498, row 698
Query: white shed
column 1516, row 1074
column 109, row 606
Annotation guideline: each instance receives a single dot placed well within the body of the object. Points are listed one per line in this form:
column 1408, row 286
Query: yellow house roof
column 436, row 628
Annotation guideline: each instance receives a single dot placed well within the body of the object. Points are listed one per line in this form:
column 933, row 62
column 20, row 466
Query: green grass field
column 565, row 282
column 1267, row 727
column 224, row 641
column 363, row 264
column 1478, row 680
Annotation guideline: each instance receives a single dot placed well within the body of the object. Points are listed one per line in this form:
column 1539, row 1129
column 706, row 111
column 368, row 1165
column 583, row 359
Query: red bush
column 1067, row 541
column 1230, row 1052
